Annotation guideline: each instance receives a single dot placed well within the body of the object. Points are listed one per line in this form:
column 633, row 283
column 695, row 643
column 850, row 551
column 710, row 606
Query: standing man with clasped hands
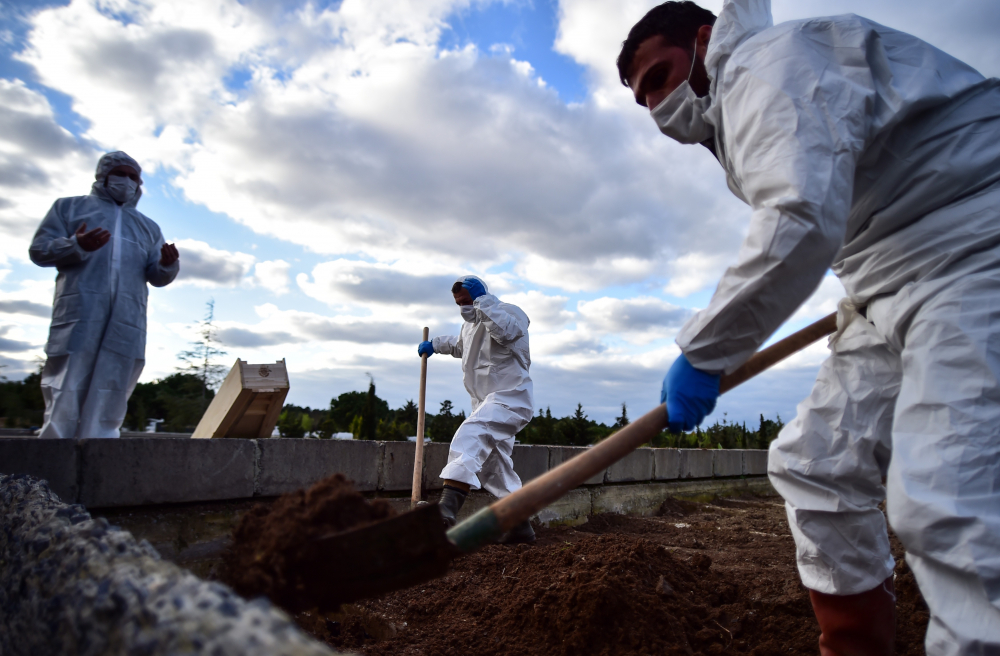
column 105, row 252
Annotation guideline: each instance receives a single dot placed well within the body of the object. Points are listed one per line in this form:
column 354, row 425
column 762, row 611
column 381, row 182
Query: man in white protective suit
column 493, row 345
column 867, row 150
column 105, row 252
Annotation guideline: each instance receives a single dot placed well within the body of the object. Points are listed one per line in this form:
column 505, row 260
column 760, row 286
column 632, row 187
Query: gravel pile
column 71, row 584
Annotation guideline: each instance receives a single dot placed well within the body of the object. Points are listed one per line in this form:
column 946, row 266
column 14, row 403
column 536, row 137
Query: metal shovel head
column 390, row 555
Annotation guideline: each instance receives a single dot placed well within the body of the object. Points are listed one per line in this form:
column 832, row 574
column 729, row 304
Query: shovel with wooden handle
column 414, row 547
column 418, row 455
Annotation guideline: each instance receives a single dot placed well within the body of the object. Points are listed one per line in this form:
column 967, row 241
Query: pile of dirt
column 273, row 553
column 699, row 579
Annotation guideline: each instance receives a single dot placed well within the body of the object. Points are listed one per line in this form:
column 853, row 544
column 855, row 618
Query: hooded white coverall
column 97, row 340
column 495, row 361
column 869, row 151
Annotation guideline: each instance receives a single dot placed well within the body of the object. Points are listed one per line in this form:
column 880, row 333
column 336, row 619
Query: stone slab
column 435, row 458
column 666, row 464
column 396, row 474
column 560, row 454
column 52, row 460
column 696, row 463
column 288, row 464
column 755, row 462
column 530, row 461
column 636, row 466
column 154, row 470
column 727, row 462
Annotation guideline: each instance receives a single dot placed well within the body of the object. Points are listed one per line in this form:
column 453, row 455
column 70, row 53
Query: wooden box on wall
column 248, row 402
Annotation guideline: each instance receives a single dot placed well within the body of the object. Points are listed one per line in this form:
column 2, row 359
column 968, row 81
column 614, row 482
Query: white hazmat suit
column 97, row 340
column 869, row 151
column 495, row 360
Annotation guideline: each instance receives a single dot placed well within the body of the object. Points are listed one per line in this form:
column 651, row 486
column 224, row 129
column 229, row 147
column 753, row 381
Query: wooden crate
column 248, row 403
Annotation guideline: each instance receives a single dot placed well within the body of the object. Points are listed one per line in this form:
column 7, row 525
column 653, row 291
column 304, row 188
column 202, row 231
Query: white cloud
column 39, row 162
column 272, row 275
column 693, row 272
column 640, row 320
column 547, row 313
column 205, row 266
column 351, row 281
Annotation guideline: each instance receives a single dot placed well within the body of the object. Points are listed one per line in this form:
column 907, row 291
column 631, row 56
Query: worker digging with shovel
column 865, row 150
column 493, row 346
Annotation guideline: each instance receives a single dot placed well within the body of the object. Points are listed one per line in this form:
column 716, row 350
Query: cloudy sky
column 328, row 169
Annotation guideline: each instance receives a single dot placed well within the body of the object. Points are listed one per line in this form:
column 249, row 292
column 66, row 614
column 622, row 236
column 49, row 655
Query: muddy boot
column 857, row 625
column 451, row 502
column 520, row 534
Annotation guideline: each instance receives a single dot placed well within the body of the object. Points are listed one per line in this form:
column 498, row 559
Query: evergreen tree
column 199, row 360
column 622, row 421
column 369, row 416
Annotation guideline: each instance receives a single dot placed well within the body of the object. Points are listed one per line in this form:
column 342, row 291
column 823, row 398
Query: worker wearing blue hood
column 106, row 252
column 493, row 346
column 867, row 151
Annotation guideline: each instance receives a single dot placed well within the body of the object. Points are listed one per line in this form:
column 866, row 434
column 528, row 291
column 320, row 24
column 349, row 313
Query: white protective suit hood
column 108, row 162
column 469, row 311
column 682, row 115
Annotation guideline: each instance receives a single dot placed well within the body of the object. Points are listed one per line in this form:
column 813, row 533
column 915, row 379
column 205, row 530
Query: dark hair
column 457, row 287
column 676, row 22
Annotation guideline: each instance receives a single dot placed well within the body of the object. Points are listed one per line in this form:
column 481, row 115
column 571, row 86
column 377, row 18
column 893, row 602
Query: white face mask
column 121, row 188
column 680, row 114
column 468, row 312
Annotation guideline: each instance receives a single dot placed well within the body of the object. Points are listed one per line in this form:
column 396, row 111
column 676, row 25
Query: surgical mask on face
column 468, row 313
column 680, row 114
column 121, row 188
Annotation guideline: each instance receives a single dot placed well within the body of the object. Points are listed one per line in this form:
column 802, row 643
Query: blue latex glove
column 426, row 348
column 689, row 393
column 474, row 287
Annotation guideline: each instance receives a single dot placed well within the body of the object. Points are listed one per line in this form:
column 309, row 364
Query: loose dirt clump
column 273, row 553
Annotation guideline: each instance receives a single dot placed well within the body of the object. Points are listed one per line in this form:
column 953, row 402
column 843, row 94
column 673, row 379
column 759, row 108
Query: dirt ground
column 700, row 578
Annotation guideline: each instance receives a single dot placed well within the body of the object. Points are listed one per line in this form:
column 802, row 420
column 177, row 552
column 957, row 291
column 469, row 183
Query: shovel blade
column 390, row 555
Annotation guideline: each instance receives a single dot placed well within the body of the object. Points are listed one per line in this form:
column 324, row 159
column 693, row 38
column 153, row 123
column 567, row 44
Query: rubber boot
column 857, row 625
column 520, row 534
column 451, row 502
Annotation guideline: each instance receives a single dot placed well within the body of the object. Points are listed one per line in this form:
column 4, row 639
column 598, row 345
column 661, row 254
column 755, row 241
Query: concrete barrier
column 755, row 462
column 143, row 471
column 284, row 465
column 138, row 472
column 695, row 463
column 560, row 454
column 666, row 464
column 51, row 460
column 530, row 461
column 636, row 466
column 726, row 463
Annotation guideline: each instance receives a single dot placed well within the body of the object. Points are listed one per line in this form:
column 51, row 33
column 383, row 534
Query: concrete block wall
column 148, row 471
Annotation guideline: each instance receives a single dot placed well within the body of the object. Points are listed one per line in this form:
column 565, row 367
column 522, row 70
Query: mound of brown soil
column 272, row 552
column 606, row 594
column 698, row 579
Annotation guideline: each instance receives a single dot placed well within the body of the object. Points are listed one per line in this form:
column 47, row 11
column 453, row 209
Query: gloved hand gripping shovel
column 414, row 547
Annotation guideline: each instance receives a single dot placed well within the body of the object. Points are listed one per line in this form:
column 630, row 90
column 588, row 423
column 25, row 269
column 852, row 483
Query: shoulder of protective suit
column 514, row 310
column 777, row 42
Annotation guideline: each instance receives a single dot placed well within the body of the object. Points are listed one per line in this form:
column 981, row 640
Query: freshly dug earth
column 273, row 550
column 715, row 578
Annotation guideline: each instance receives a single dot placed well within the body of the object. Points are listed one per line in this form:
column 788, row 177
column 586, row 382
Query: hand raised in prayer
column 168, row 255
column 91, row 241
